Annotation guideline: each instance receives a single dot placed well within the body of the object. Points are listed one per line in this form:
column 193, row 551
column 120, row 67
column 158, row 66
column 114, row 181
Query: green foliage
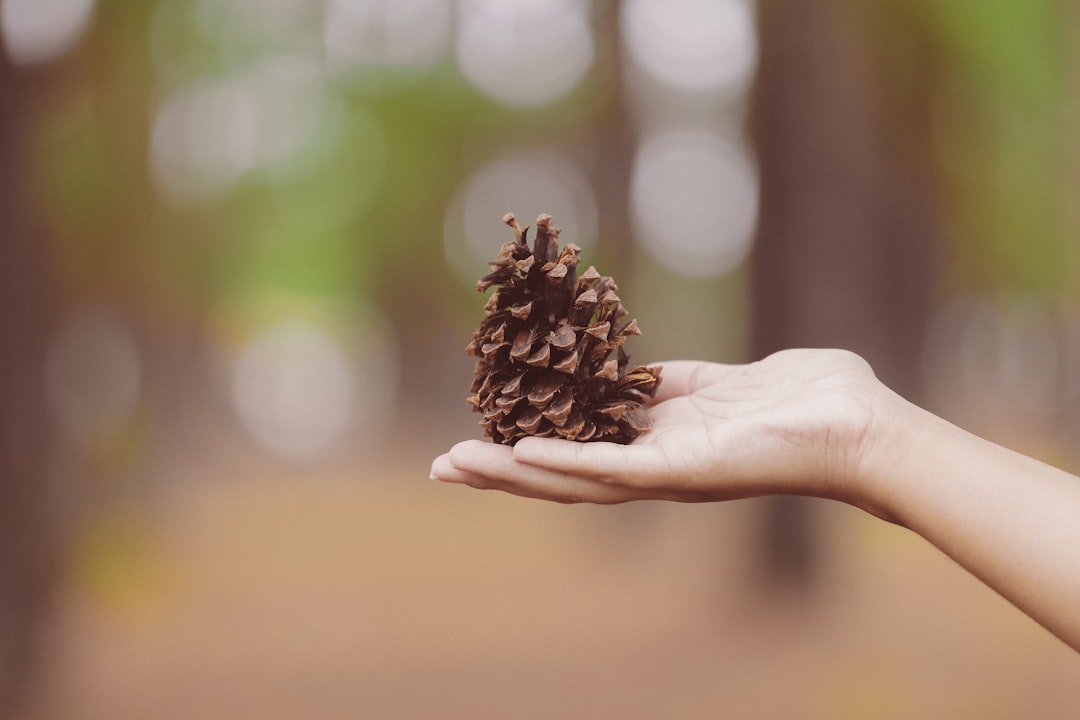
column 1002, row 110
column 988, row 86
column 358, row 210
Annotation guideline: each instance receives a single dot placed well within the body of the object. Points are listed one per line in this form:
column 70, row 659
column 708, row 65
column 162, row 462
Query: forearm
column 1012, row 521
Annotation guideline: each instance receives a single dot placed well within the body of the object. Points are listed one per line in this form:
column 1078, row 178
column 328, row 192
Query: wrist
column 891, row 440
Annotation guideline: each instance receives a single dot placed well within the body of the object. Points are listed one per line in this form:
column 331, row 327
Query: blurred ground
column 370, row 592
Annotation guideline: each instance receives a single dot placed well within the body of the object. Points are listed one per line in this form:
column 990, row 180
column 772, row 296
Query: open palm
column 792, row 422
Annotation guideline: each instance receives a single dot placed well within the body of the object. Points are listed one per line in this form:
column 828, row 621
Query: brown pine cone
column 549, row 351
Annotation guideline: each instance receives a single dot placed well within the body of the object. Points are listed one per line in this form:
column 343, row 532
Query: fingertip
column 443, row 470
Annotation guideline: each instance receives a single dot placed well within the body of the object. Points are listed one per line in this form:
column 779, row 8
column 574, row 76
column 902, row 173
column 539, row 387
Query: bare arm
column 1012, row 521
column 818, row 423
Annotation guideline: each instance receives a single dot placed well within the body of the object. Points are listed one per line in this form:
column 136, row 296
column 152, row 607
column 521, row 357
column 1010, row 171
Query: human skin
column 819, row 423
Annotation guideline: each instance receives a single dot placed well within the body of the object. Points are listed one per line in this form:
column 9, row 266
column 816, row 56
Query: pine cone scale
column 549, row 359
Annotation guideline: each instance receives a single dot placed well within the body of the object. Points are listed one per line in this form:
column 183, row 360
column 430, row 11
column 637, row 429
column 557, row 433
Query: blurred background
column 238, row 244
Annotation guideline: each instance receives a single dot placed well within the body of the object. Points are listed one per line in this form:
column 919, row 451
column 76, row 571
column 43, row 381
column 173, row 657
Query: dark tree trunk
column 845, row 250
column 27, row 524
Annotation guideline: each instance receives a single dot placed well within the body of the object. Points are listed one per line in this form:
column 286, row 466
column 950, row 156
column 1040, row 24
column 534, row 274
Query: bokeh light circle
column 526, row 52
column 526, row 183
column 693, row 45
column 40, row 30
column 292, row 388
column 694, row 200
column 206, row 136
column 301, row 376
column 386, row 33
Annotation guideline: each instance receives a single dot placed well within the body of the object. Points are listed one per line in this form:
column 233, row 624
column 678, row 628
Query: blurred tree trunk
column 616, row 138
column 845, row 250
column 27, row 526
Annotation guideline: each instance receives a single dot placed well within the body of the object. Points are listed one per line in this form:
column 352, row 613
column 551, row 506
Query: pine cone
column 549, row 351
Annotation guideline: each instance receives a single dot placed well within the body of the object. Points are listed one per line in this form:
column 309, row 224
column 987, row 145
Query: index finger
column 639, row 466
column 489, row 466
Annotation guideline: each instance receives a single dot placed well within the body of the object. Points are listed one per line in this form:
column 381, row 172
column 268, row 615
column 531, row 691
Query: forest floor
column 368, row 591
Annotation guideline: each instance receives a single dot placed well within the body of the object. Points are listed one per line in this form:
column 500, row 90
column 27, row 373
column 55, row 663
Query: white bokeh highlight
column 36, row 31
column 694, row 200
column 692, row 45
column 411, row 34
column 526, row 183
column 292, row 388
column 207, row 136
column 525, row 52
column 299, row 388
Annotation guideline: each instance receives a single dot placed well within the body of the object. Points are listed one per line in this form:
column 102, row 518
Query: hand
column 793, row 423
